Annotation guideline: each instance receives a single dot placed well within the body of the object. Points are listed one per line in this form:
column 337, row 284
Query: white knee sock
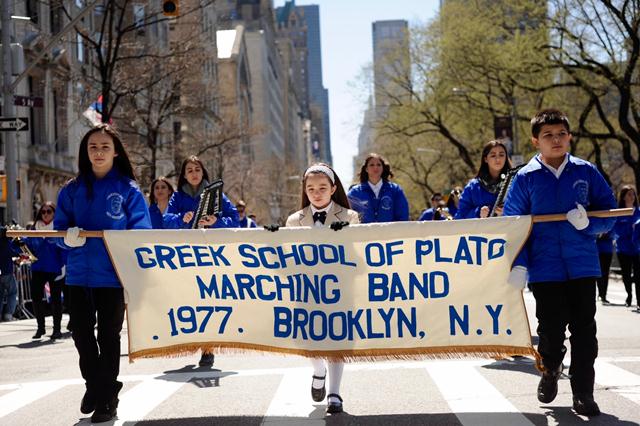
column 335, row 377
column 319, row 370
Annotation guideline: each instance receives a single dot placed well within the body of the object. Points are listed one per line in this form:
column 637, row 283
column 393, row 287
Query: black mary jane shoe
column 334, row 407
column 318, row 394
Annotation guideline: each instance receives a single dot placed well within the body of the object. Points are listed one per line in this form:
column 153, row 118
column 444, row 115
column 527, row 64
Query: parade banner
column 378, row 291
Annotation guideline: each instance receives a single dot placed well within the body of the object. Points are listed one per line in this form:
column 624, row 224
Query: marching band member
column 104, row 195
column 480, row 194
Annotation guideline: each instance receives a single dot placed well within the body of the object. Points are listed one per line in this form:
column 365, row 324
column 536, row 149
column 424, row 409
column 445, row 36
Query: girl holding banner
column 324, row 202
column 480, row 194
column 184, row 203
column 104, row 195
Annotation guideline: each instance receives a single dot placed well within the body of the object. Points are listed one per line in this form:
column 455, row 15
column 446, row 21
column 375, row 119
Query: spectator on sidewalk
column 8, row 284
column 45, row 269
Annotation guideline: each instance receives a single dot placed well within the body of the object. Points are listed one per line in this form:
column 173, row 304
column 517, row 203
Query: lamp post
column 8, row 110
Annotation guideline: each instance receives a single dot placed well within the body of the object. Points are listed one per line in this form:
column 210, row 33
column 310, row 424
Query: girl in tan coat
column 324, row 203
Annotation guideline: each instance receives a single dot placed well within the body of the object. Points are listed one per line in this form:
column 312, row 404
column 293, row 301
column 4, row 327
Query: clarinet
column 504, row 188
column 210, row 202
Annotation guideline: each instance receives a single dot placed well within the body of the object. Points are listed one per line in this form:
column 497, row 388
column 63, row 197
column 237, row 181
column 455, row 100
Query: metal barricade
column 22, row 273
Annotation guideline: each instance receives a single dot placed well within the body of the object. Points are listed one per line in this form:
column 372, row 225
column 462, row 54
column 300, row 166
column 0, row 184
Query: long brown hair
column 623, row 193
column 191, row 159
column 120, row 162
column 483, row 171
column 338, row 197
column 386, row 168
column 152, row 197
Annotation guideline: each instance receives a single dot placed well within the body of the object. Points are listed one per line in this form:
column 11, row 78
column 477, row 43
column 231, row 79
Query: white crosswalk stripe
column 144, row 397
column 26, row 394
column 463, row 386
column 618, row 380
column 468, row 393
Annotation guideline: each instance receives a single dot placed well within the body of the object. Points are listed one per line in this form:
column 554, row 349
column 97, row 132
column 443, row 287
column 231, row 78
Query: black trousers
column 99, row 357
column 603, row 281
column 630, row 265
column 38, row 280
column 569, row 303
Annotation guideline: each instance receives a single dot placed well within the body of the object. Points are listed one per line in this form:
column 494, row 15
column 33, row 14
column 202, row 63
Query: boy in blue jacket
column 561, row 258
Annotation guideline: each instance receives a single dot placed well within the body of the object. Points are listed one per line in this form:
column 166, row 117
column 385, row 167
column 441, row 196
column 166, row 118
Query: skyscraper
column 390, row 56
column 304, row 21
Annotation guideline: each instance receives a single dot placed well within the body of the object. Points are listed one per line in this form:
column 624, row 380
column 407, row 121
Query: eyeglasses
column 47, row 211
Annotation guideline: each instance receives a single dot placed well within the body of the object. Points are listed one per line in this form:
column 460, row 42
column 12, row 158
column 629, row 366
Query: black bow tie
column 320, row 216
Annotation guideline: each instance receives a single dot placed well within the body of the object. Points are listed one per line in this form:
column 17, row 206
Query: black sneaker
column 206, row 360
column 39, row 333
column 585, row 405
column 88, row 404
column 104, row 413
column 548, row 386
column 56, row 335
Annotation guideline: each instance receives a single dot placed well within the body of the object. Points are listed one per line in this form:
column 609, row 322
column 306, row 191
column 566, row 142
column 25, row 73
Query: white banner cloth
column 397, row 290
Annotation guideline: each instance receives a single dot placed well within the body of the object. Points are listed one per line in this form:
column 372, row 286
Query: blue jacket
column 556, row 251
column 49, row 254
column 8, row 249
column 605, row 242
column 624, row 230
column 181, row 203
column 244, row 222
column 428, row 215
column 166, row 221
column 473, row 198
column 391, row 205
column 116, row 203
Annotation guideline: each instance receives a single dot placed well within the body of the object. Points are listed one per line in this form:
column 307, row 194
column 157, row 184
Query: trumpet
column 25, row 254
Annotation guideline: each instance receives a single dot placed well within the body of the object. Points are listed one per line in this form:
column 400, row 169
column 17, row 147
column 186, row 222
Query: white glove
column 518, row 277
column 73, row 238
column 578, row 217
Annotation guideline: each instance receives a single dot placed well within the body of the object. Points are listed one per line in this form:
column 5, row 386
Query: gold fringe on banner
column 364, row 355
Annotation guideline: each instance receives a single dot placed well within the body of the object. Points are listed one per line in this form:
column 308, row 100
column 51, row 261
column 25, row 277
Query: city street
column 41, row 385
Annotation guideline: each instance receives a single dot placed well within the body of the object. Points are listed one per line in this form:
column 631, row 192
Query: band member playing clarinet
column 479, row 196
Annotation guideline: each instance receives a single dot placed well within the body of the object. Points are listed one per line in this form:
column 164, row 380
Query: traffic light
column 170, row 7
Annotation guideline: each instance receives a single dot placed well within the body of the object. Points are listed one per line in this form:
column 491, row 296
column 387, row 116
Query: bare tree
column 595, row 47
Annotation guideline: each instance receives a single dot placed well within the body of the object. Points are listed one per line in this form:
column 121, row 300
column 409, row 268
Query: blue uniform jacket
column 8, row 250
column 48, row 252
column 624, row 230
column 473, row 198
column 428, row 215
column 556, row 251
column 181, row 203
column 166, row 221
column 391, row 205
column 244, row 222
column 605, row 242
column 116, row 203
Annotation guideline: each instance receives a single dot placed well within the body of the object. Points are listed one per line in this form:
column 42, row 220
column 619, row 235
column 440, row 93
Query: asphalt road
column 40, row 384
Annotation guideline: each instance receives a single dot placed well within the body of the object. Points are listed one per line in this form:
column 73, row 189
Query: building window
column 79, row 48
column 138, row 16
column 32, row 10
column 177, row 132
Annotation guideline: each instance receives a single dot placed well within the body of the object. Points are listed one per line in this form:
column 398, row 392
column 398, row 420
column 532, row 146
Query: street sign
column 15, row 124
column 28, row 101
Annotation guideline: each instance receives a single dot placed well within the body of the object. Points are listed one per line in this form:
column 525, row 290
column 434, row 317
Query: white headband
column 321, row 169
